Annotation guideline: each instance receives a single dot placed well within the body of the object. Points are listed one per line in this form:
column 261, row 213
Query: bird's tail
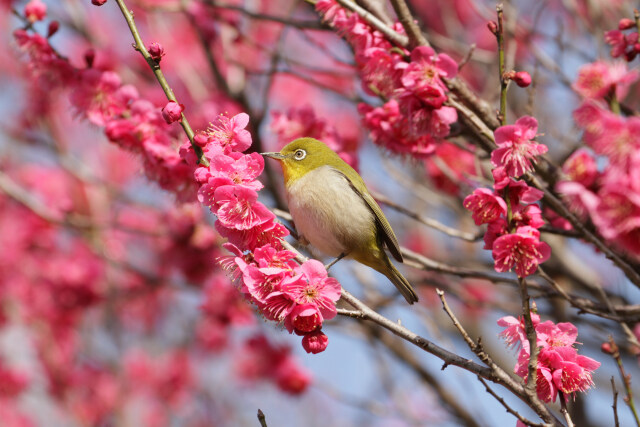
column 400, row 282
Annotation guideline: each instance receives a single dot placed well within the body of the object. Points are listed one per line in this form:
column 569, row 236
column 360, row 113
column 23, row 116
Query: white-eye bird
column 333, row 210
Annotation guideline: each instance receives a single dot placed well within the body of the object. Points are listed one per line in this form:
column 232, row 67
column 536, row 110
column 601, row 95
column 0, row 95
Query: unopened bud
column 89, row 57
column 35, row 10
column 156, row 51
column 522, row 78
column 606, row 348
column 53, row 28
column 98, row 2
column 201, row 139
column 626, row 23
column 493, row 27
column 172, row 112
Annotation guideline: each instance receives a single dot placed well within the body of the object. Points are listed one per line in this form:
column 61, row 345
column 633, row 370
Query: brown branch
column 532, row 374
column 429, row 222
column 376, row 23
column 417, row 260
column 416, row 38
column 449, row 358
column 262, row 418
column 614, row 405
column 614, row 351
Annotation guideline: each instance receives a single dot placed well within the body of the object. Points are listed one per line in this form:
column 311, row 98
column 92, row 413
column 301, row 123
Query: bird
column 334, row 212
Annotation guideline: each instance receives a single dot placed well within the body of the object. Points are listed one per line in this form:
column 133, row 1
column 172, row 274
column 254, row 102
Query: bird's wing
column 388, row 235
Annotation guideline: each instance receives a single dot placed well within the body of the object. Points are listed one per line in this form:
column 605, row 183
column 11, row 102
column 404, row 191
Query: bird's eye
column 299, row 154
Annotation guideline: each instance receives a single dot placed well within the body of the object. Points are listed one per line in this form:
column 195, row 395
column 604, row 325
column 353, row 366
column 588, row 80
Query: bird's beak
column 276, row 156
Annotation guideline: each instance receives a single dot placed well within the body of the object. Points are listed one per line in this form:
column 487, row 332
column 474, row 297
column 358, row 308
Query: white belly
column 328, row 213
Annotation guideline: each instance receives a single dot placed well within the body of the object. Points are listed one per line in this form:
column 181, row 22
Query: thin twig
column 507, row 407
column 449, row 358
column 614, row 405
column 155, row 67
column 309, row 24
column 417, row 260
column 532, row 374
column 262, row 418
column 472, row 345
column 502, row 116
column 603, row 296
column 429, row 222
column 626, row 379
column 564, row 411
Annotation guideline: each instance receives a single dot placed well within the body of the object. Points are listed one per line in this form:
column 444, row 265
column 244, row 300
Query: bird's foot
column 328, row 266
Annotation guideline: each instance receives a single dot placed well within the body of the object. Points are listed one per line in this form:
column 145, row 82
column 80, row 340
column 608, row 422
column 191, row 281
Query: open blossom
column 35, row 10
column 598, row 79
column 237, row 207
column 422, row 75
column 316, row 288
column 485, row 205
column 581, row 167
column 516, row 150
column 609, row 134
column 230, row 133
column 522, row 250
column 622, row 44
column 560, row 367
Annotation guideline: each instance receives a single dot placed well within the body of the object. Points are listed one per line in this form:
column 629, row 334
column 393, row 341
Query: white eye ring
column 300, row 154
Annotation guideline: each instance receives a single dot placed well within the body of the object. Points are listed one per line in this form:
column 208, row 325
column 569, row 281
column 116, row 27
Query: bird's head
column 304, row 155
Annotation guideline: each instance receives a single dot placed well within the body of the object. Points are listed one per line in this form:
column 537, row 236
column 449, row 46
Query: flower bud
column 315, row 342
column 626, row 23
column 201, row 139
column 35, row 10
column 493, row 27
column 522, row 78
column 606, row 348
column 98, row 2
column 53, row 28
column 172, row 112
column 156, row 51
column 89, row 57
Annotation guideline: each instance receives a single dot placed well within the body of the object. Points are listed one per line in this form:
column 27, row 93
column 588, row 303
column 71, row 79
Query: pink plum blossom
column 581, row 167
column 315, row 342
column 485, row 205
column 35, row 10
column 516, row 150
column 237, row 207
column 315, row 288
column 522, row 250
column 560, row 367
column 422, row 75
column 599, row 79
column 230, row 133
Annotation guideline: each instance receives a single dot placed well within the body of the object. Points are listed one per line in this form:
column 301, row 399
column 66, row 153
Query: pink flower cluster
column 303, row 122
column 609, row 196
column 600, row 79
column 413, row 119
column 560, row 367
column 261, row 359
column 622, row 44
column 299, row 296
column 512, row 234
column 131, row 122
